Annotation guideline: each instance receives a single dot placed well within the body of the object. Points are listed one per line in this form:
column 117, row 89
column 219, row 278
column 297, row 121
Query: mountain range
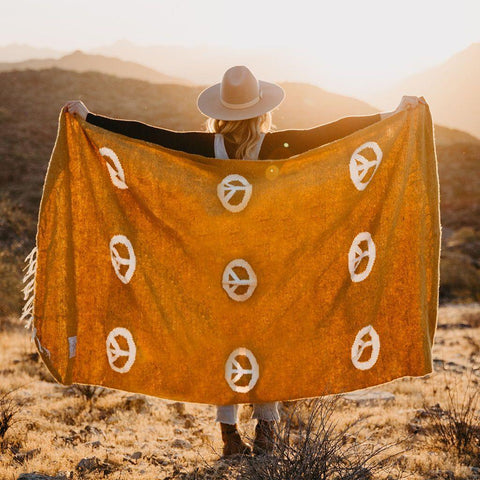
column 17, row 52
column 82, row 62
column 452, row 89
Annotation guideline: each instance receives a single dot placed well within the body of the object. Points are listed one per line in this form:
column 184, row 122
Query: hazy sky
column 351, row 40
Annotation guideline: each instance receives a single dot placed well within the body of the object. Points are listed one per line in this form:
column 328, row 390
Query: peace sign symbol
column 356, row 255
column 116, row 172
column 237, row 288
column 361, row 166
column 118, row 260
column 114, row 351
column 234, row 186
column 234, row 371
column 359, row 345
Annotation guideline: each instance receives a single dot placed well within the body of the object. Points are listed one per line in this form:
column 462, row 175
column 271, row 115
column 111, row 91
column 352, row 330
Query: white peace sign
column 118, row 261
column 232, row 282
column 117, row 174
column 234, row 371
column 356, row 255
column 360, row 166
column 114, row 352
column 359, row 345
column 229, row 186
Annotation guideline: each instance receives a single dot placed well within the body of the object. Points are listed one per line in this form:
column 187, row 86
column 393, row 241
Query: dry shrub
column 88, row 392
column 9, row 416
column 471, row 318
column 10, row 285
column 457, row 425
column 222, row 470
column 314, row 447
column 459, row 277
column 15, row 240
column 31, row 364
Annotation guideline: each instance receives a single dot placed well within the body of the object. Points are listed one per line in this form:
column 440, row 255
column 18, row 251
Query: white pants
column 261, row 411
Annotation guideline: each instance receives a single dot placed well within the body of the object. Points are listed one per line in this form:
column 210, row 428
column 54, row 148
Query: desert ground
column 422, row 427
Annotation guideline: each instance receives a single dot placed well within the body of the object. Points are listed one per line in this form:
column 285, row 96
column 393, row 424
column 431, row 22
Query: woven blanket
column 237, row 281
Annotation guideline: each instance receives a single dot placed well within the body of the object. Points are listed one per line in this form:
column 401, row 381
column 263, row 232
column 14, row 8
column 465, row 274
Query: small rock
column 448, row 326
column 178, row 431
column 93, row 464
column 137, row 402
column 156, row 461
column 93, row 430
column 88, row 464
column 177, row 407
column 367, row 397
column 181, row 443
column 189, row 421
column 20, row 457
column 133, row 457
column 94, row 444
column 454, row 367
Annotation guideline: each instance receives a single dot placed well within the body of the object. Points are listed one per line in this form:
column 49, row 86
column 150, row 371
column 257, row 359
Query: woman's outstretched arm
column 286, row 143
column 200, row 143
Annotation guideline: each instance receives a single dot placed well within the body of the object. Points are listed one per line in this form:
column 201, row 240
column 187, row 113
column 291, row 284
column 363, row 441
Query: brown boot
column 232, row 443
column 263, row 442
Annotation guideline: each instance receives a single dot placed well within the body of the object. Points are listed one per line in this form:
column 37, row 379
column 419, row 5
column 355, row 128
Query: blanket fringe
column 28, row 291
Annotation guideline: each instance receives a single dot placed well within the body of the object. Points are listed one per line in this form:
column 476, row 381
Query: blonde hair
column 244, row 133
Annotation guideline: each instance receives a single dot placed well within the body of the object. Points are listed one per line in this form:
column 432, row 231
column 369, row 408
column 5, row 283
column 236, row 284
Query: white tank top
column 221, row 151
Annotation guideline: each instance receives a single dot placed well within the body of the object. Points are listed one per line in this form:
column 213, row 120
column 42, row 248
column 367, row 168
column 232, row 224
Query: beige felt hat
column 239, row 96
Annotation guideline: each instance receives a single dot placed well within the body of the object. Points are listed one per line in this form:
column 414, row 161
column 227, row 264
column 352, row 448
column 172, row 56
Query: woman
column 239, row 126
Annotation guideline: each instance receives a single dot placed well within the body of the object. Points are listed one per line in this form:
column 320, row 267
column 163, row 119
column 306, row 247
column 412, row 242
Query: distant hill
column 83, row 62
column 16, row 52
column 446, row 137
column 205, row 65
column 452, row 90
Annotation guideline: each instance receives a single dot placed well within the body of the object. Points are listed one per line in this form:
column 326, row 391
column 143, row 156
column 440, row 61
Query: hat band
column 239, row 106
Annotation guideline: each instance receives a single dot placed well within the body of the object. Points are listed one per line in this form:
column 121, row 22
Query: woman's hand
column 77, row 107
column 407, row 103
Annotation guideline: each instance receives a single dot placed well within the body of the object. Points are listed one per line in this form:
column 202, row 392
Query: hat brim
column 209, row 103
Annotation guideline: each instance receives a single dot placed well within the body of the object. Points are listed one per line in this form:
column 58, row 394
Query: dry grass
column 457, row 423
column 9, row 416
column 118, row 435
column 309, row 445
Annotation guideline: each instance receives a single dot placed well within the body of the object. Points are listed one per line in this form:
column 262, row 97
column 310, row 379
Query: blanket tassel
column 28, row 291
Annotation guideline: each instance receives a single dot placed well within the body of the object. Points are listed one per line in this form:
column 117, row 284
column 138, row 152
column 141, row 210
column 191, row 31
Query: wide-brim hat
column 239, row 96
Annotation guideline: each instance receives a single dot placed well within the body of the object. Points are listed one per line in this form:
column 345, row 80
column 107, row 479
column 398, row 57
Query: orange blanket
column 237, row 281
